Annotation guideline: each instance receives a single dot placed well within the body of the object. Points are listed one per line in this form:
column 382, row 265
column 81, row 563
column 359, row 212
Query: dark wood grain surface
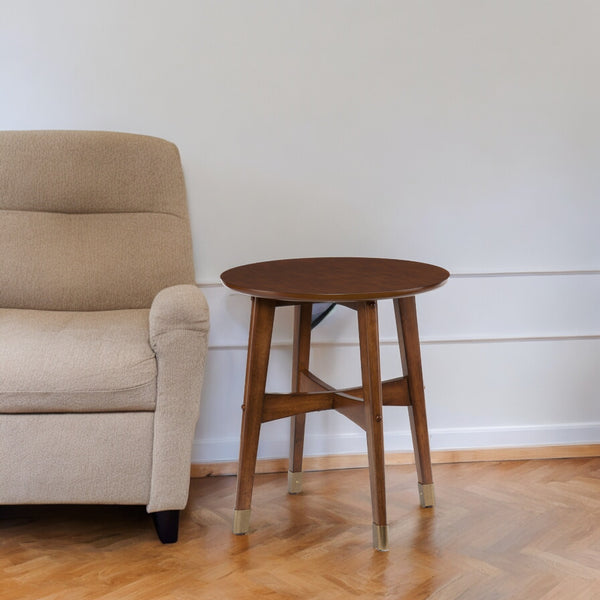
column 334, row 279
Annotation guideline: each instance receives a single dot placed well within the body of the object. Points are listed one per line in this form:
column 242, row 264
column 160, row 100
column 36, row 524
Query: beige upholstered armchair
column 103, row 333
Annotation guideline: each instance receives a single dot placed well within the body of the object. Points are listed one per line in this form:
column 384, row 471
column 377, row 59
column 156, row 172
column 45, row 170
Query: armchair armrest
column 179, row 337
column 176, row 308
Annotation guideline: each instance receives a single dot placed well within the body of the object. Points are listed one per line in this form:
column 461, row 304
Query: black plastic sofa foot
column 166, row 523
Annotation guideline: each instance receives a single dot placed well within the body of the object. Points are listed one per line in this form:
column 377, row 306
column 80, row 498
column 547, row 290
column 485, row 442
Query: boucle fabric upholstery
column 59, row 361
column 179, row 336
column 103, row 334
column 90, row 220
column 78, row 458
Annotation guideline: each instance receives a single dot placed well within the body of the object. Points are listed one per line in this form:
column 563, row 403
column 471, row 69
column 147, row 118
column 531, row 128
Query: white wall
column 462, row 133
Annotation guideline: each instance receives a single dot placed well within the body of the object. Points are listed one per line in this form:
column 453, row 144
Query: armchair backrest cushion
column 90, row 220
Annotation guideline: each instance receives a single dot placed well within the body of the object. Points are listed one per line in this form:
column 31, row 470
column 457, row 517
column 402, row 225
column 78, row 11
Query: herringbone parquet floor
column 527, row 530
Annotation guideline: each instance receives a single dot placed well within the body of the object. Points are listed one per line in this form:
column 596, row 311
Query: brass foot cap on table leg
column 426, row 495
column 241, row 521
column 294, row 482
column 380, row 537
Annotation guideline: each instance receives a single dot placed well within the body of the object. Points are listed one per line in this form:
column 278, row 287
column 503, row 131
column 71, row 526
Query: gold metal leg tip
column 241, row 522
column 426, row 495
column 380, row 537
column 294, row 482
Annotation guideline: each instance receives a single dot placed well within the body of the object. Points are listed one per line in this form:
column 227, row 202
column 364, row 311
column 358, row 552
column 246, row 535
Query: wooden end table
column 357, row 283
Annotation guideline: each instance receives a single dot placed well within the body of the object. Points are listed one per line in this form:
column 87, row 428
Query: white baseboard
column 466, row 438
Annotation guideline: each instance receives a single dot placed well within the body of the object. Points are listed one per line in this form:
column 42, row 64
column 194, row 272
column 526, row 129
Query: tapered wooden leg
column 368, row 330
column 259, row 347
column 301, row 355
column 410, row 352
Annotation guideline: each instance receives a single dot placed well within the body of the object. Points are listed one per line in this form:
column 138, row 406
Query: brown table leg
column 368, row 330
column 300, row 361
column 259, row 348
column 408, row 337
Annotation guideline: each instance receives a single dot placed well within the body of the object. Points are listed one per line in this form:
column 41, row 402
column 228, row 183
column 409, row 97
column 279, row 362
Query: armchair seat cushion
column 69, row 361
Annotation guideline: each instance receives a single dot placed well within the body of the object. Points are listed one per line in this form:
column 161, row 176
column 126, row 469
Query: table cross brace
column 346, row 401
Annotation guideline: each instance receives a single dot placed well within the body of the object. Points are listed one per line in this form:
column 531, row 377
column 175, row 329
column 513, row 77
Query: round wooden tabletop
column 334, row 279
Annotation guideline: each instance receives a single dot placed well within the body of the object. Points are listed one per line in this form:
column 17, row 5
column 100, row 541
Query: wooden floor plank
column 524, row 530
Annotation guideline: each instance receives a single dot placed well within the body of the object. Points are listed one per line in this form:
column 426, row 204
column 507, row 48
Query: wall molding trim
column 525, row 273
column 528, row 338
column 469, row 275
column 459, row 444
column 430, row 342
